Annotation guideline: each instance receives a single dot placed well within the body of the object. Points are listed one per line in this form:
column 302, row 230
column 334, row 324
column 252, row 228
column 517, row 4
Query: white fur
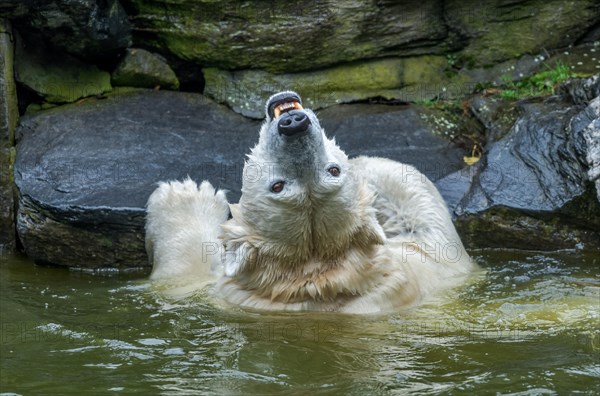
column 182, row 226
column 376, row 238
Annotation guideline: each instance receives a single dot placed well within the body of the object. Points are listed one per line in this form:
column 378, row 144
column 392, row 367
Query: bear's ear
column 239, row 252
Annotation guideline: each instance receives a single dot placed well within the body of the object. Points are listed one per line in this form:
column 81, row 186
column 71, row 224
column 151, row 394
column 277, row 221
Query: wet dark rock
column 532, row 189
column 495, row 114
column 89, row 29
column 536, row 153
column 143, row 69
column 84, row 172
column 591, row 134
column 581, row 90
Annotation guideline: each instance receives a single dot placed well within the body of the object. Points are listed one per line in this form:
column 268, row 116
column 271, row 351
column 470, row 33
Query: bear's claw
column 203, row 200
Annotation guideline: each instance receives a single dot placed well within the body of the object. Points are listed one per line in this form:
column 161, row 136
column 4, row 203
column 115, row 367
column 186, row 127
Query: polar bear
column 313, row 230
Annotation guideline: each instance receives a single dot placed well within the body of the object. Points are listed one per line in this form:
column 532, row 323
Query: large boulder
column 286, row 36
column 294, row 35
column 84, row 171
column 591, row 134
column 343, row 51
column 534, row 187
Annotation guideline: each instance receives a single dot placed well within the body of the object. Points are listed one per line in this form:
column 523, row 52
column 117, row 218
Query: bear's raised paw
column 187, row 196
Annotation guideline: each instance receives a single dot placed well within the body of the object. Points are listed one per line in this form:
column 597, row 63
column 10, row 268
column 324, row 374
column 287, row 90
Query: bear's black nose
column 293, row 122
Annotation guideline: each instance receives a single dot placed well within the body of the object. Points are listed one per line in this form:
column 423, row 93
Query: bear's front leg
column 182, row 229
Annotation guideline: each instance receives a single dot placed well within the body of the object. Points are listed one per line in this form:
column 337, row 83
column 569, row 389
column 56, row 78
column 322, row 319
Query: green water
column 530, row 326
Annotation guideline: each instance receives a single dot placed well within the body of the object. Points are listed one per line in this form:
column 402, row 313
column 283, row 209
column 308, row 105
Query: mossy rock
column 58, row 77
column 503, row 227
column 289, row 36
column 7, row 214
column 499, row 31
column 9, row 113
column 532, row 188
column 404, row 79
column 8, row 120
column 293, row 35
column 143, row 69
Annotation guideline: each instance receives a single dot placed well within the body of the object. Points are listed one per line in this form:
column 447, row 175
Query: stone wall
column 353, row 50
column 331, row 51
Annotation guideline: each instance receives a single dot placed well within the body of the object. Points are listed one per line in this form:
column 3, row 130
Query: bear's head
column 301, row 205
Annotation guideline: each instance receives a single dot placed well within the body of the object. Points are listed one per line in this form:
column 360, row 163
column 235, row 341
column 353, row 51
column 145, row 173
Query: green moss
column 6, row 162
column 425, row 70
column 427, row 102
column 364, row 76
column 539, row 84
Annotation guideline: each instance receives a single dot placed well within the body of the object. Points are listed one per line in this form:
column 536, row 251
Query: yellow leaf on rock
column 471, row 160
column 474, row 157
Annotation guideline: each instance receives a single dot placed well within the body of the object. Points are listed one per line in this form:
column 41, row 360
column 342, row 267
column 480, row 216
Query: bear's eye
column 277, row 187
column 334, row 171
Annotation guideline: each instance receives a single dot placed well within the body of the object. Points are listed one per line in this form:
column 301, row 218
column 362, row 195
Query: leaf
column 474, row 157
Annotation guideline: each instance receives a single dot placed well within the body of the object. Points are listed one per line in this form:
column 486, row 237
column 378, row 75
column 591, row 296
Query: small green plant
column 452, row 60
column 426, row 102
column 539, row 84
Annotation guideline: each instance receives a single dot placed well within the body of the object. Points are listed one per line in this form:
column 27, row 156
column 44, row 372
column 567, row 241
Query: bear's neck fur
column 320, row 267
